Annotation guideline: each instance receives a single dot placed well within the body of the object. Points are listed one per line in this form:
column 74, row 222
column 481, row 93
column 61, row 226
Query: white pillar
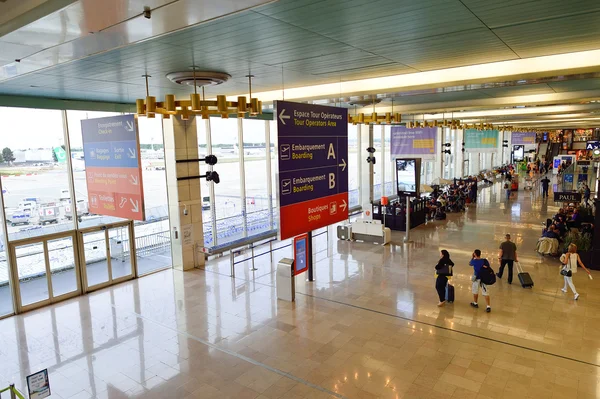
column 181, row 143
column 365, row 175
column 459, row 155
column 438, row 163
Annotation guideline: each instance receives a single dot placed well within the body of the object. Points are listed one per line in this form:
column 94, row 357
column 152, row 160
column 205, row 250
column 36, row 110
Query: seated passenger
column 552, row 232
column 548, row 243
column 575, row 221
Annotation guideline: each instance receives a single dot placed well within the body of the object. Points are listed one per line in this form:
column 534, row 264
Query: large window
column 378, row 167
column 6, row 304
column 228, row 201
column 353, row 177
column 152, row 236
column 34, row 172
column 388, row 162
column 255, row 165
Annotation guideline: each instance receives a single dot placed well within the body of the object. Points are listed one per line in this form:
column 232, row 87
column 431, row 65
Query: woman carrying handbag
column 443, row 270
column 571, row 260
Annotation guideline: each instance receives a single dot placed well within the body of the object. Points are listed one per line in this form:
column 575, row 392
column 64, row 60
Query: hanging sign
column 413, row 142
column 522, row 138
column 113, row 167
column 481, row 140
column 313, row 170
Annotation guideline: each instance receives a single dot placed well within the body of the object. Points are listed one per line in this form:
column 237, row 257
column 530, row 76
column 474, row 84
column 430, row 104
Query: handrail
column 251, row 247
column 14, row 392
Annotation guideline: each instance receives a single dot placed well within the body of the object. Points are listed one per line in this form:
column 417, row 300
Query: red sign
column 113, row 166
column 314, row 214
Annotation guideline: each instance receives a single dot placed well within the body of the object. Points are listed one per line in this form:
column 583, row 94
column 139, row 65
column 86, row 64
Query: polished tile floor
column 368, row 327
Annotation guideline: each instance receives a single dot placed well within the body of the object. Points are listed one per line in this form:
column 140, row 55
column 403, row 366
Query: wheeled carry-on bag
column 449, row 293
column 524, row 277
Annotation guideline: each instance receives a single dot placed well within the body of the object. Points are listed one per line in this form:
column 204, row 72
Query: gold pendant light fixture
column 196, row 105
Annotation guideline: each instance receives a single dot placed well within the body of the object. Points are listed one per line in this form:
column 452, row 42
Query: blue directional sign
column 113, row 167
column 313, row 166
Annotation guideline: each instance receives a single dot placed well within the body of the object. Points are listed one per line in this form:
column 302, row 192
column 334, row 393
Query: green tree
column 8, row 155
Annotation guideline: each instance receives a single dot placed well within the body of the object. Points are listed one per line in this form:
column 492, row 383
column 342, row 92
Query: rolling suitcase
column 524, row 277
column 449, row 293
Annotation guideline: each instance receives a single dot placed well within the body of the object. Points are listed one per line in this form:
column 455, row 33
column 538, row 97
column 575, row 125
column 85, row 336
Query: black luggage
column 524, row 277
column 449, row 293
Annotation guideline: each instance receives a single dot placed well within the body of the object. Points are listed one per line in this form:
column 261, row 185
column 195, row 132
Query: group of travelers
column 483, row 275
column 538, row 166
column 454, row 198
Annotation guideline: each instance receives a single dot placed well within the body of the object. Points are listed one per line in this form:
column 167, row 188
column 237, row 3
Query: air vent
column 202, row 78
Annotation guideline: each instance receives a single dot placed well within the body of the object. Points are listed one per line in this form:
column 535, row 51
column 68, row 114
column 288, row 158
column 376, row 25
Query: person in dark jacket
column 442, row 281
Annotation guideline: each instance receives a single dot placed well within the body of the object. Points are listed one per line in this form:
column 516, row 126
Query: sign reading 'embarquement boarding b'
column 313, row 170
column 567, row 197
column 112, row 166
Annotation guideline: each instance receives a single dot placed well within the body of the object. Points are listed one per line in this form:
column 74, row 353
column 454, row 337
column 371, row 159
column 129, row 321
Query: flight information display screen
column 408, row 174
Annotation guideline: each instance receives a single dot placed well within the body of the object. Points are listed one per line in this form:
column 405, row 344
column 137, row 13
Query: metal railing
column 13, row 392
column 253, row 246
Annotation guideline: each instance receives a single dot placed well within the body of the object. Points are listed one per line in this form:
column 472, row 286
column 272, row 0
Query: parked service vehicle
column 48, row 213
column 28, row 204
column 65, row 195
column 83, row 209
column 19, row 217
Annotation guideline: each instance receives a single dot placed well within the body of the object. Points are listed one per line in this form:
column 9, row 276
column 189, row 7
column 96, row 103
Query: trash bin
column 286, row 289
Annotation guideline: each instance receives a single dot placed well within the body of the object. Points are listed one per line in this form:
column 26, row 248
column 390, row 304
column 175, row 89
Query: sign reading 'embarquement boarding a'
column 567, row 197
column 313, row 170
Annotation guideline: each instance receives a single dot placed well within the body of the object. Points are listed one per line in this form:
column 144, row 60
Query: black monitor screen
column 408, row 174
column 518, row 153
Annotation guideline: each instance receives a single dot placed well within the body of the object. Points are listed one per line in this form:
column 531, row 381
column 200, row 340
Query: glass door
column 45, row 269
column 107, row 254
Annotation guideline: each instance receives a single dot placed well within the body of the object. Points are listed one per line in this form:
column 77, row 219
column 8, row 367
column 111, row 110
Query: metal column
column 269, row 178
column 240, row 122
column 211, row 187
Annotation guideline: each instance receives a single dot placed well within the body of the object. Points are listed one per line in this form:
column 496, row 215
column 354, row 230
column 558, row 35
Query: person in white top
column 571, row 260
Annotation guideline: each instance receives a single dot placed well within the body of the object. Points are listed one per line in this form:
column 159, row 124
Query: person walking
column 443, row 270
column 571, row 260
column 507, row 189
column 545, row 184
column 477, row 263
column 507, row 256
column 586, row 195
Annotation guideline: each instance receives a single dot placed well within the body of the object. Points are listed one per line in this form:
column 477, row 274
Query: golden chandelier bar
column 195, row 106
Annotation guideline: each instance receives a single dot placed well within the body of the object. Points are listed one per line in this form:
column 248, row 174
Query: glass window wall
column 35, row 180
column 255, row 170
column 228, row 201
column 388, row 162
column 353, row 177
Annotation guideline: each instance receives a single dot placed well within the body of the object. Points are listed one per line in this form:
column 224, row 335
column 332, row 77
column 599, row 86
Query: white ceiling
column 90, row 51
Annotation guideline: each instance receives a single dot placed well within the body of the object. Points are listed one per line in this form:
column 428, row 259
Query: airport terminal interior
column 250, row 199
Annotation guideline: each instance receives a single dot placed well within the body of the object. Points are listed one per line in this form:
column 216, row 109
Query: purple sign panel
column 412, row 142
column 313, row 171
column 522, row 138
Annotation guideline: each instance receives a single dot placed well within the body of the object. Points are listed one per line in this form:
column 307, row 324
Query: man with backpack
column 483, row 276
